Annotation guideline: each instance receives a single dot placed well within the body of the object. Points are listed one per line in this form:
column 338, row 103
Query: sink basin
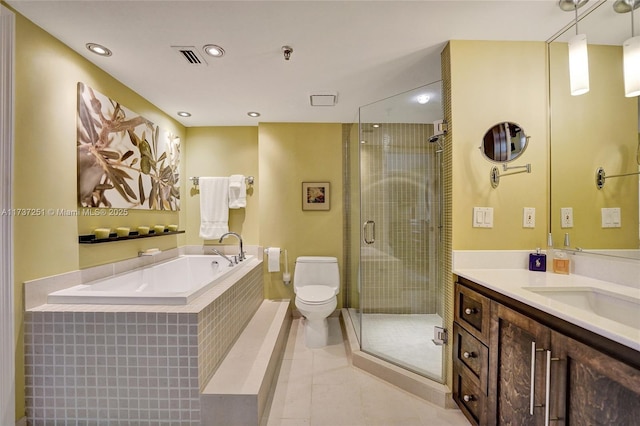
column 616, row 307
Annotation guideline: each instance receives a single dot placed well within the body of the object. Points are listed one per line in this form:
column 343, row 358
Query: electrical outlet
column 566, row 219
column 529, row 217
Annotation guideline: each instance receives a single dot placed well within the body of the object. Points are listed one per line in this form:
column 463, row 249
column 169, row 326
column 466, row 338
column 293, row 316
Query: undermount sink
column 616, row 307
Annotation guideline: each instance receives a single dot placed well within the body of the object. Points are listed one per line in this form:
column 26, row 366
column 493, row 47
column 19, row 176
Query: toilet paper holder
column 286, row 276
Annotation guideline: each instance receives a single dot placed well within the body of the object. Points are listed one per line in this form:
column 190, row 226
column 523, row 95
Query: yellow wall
column 492, row 82
column 222, row 151
column 47, row 73
column 597, row 129
column 289, row 154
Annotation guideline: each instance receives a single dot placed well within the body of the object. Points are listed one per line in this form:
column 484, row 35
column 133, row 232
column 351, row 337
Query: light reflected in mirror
column 504, row 142
column 598, row 129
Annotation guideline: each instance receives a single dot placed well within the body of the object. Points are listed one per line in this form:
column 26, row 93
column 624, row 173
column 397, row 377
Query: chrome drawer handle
column 468, row 398
column 468, row 355
column 470, row 311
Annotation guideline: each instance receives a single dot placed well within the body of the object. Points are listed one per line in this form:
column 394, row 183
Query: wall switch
column 483, row 217
column 529, row 217
column 566, row 219
column 611, row 218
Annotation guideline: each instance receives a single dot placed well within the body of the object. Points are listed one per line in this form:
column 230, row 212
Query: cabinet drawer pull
column 469, row 355
column 468, row 398
column 470, row 311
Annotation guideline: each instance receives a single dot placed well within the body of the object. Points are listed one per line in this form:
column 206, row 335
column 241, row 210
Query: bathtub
column 174, row 282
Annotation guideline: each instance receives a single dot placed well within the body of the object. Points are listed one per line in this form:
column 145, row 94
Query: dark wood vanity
column 516, row 365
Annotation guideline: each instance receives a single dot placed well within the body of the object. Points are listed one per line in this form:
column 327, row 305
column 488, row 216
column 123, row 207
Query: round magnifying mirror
column 504, row 142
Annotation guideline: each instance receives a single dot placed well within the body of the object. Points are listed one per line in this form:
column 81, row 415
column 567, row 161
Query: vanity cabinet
column 530, row 368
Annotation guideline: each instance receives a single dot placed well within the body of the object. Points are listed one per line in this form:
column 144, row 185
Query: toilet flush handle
column 369, row 224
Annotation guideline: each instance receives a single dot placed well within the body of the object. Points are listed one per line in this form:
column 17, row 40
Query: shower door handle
column 365, row 226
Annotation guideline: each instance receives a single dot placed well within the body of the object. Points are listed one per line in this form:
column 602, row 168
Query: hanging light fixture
column 578, row 56
column 630, row 51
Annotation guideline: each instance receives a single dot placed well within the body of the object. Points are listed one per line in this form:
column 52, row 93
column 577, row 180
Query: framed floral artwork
column 124, row 160
column 316, row 196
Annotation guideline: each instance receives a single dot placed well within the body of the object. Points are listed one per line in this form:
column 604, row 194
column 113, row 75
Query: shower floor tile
column 318, row 387
column 404, row 339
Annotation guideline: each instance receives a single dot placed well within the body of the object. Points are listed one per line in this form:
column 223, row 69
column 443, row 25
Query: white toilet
column 316, row 282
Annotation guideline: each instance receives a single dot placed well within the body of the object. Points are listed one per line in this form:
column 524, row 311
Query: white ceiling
column 364, row 50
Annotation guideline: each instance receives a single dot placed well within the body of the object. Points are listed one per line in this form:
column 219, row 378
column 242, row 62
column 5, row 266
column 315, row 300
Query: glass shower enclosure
column 395, row 293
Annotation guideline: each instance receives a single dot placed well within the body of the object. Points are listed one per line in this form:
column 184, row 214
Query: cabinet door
column 591, row 388
column 517, row 368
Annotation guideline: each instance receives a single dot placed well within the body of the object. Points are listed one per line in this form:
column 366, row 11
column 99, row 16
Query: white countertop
column 513, row 283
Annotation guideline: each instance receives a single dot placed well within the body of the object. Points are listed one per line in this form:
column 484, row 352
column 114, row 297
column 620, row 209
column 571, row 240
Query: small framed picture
column 315, row 196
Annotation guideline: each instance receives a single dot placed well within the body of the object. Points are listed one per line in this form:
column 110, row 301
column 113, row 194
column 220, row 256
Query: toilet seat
column 315, row 294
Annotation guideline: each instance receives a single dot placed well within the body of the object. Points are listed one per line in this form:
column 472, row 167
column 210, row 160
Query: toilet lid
column 315, row 293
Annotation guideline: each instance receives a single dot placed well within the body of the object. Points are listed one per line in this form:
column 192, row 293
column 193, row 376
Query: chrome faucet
column 241, row 255
column 226, row 257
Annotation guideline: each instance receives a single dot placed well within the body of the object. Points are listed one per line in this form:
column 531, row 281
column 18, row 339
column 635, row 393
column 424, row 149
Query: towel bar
column 196, row 180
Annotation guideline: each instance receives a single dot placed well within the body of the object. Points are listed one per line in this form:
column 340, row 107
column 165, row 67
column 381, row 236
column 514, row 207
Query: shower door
column 400, row 284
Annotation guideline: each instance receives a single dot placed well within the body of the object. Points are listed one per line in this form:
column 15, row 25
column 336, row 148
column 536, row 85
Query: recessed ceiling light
column 422, row 99
column 184, row 114
column 213, row 50
column 375, row 126
column 98, row 49
column 253, row 114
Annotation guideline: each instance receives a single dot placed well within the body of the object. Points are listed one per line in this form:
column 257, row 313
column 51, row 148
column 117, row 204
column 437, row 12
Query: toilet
column 316, row 282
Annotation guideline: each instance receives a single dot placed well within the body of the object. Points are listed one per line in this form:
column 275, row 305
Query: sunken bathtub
column 174, row 282
column 137, row 347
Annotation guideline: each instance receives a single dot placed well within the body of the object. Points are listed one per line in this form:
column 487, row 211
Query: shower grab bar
column 373, row 233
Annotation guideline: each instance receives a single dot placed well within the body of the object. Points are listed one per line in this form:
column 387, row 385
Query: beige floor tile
column 318, row 387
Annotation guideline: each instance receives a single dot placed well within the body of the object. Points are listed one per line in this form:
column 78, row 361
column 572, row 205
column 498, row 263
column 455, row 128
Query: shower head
column 436, row 139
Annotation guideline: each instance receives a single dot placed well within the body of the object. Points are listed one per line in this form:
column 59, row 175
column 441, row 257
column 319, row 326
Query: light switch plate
column 611, row 217
column 483, row 217
column 566, row 217
column 529, row 217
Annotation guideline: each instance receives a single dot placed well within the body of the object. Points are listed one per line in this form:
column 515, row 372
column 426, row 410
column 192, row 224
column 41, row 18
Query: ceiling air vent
column 323, row 98
column 190, row 54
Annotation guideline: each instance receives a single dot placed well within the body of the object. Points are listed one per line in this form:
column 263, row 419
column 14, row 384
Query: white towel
column 237, row 192
column 273, row 264
column 214, row 207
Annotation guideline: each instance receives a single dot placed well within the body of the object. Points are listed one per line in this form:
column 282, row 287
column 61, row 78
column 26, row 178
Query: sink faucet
column 241, row 255
column 226, row 257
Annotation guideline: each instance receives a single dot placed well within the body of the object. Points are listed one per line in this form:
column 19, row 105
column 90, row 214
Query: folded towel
column 214, row 207
column 237, row 192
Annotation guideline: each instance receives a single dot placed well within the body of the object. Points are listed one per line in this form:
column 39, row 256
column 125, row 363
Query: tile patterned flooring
column 319, row 387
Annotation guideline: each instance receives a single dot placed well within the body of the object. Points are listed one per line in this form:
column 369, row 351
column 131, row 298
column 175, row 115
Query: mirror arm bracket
column 601, row 176
column 494, row 174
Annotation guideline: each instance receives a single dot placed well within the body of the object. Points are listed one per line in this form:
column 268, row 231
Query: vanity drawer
column 470, row 354
column 473, row 312
column 469, row 398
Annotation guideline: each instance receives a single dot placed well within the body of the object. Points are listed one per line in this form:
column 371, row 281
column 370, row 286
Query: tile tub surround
column 132, row 364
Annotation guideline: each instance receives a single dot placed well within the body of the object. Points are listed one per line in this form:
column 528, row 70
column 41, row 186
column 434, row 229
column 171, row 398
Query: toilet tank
column 316, row 270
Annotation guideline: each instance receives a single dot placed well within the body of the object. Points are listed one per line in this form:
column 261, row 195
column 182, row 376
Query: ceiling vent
column 323, row 99
column 190, row 54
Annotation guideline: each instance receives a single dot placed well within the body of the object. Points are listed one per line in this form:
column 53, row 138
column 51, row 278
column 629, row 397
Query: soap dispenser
column 561, row 259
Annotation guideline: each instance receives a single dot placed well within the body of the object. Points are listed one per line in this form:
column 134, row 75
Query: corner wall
column 47, row 73
column 492, row 82
column 289, row 154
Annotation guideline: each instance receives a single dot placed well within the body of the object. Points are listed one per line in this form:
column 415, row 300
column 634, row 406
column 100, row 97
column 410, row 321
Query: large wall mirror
column 599, row 129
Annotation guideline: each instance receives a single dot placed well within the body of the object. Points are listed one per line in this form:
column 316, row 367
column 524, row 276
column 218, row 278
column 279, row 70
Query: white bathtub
column 174, row 282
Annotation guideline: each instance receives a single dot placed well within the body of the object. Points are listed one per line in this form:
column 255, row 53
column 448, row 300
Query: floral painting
column 124, row 160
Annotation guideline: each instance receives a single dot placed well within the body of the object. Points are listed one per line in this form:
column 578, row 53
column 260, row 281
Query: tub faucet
column 226, row 257
column 241, row 255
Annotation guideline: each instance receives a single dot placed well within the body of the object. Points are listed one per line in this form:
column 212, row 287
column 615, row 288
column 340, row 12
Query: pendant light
column 630, row 51
column 578, row 56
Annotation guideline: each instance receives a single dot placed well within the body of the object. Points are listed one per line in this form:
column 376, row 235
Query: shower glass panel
column 399, row 298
